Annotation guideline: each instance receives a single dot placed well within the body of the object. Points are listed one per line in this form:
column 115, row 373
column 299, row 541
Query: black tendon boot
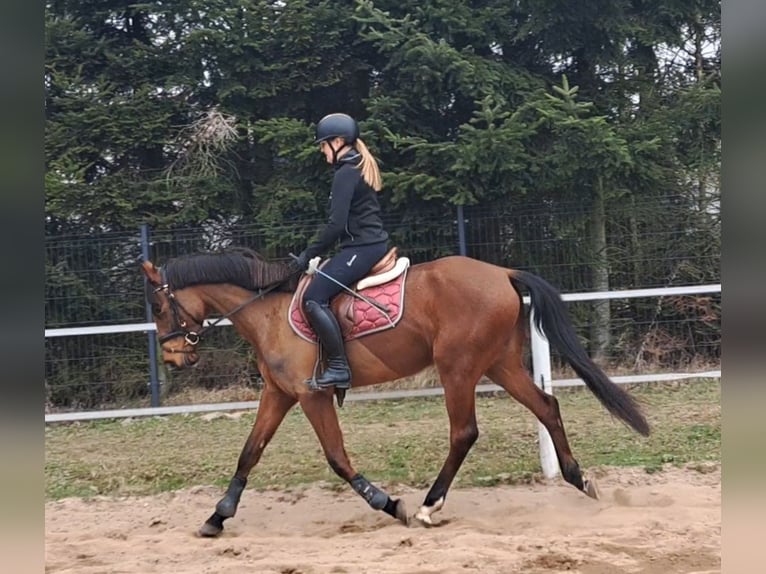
column 327, row 329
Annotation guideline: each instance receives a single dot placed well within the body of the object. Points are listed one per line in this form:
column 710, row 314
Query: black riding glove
column 300, row 263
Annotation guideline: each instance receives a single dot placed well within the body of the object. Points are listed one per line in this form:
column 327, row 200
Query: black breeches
column 346, row 267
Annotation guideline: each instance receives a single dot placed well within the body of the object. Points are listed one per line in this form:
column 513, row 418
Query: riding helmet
column 337, row 126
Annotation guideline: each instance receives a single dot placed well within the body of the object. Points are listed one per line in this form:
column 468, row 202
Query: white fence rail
column 632, row 293
column 540, row 357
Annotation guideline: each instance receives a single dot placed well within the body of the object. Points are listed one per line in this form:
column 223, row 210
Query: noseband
column 192, row 338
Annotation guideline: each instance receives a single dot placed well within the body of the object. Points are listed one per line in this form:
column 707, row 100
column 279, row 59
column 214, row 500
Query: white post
column 541, row 362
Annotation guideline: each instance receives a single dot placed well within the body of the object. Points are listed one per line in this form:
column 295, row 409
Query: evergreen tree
column 200, row 113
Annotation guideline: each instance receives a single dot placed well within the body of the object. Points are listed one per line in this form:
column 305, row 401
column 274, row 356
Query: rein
column 192, row 338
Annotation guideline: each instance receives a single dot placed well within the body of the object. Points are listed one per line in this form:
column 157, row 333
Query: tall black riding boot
column 327, row 329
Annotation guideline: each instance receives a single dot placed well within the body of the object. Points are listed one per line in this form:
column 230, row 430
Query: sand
column 661, row 523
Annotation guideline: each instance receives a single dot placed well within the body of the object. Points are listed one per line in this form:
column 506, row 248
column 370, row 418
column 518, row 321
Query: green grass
column 390, row 442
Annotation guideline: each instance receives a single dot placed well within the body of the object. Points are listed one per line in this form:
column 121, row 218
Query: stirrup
column 315, row 386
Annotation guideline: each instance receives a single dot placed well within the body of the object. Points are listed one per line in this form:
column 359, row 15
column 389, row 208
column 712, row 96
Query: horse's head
column 178, row 316
column 178, row 308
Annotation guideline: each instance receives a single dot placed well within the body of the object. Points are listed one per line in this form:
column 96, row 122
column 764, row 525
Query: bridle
column 192, row 337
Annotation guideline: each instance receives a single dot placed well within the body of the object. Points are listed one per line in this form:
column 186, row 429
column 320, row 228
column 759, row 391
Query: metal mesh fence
column 95, row 279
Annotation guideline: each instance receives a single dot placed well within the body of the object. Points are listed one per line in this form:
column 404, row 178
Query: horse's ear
column 151, row 272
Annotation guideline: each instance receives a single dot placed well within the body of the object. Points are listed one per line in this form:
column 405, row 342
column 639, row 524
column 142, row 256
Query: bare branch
column 204, row 144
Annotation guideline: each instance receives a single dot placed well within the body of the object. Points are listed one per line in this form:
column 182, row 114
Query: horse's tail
column 552, row 319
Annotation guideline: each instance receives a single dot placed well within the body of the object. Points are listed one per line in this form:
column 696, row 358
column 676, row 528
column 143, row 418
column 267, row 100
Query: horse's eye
column 156, row 310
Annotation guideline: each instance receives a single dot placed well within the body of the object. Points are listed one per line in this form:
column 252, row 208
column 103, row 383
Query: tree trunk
column 599, row 325
column 699, row 31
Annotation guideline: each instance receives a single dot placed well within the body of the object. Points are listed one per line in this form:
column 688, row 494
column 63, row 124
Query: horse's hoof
column 424, row 520
column 423, row 515
column 209, row 530
column 213, row 526
column 591, row 489
column 401, row 513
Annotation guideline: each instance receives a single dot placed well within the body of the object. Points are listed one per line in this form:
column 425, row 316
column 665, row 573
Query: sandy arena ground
column 663, row 523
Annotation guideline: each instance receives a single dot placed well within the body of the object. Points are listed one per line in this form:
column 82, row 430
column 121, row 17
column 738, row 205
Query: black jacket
column 354, row 217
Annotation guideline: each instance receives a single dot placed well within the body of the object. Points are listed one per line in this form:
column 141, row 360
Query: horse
column 463, row 316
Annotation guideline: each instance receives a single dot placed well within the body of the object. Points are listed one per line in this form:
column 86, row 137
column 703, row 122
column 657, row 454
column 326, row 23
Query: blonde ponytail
column 369, row 166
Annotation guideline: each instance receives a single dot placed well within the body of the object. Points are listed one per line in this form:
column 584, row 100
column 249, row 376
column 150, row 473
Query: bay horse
column 461, row 315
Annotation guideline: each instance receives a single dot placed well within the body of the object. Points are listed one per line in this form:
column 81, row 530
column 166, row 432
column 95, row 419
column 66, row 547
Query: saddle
column 383, row 286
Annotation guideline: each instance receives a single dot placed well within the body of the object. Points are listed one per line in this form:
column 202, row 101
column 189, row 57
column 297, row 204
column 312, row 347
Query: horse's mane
column 239, row 266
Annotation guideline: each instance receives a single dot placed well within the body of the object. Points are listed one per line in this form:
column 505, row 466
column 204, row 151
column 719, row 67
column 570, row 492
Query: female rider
column 355, row 223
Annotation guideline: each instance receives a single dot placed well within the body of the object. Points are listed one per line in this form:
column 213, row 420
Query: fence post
column 461, row 231
column 154, row 379
column 541, row 367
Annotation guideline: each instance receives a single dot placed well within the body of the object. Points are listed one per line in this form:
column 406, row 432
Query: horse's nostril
column 190, row 360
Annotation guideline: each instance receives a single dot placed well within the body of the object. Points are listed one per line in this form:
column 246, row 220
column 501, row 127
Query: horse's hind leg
column 459, row 384
column 515, row 379
column 272, row 409
column 319, row 410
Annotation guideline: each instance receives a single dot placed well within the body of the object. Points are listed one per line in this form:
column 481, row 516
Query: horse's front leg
column 319, row 410
column 273, row 407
